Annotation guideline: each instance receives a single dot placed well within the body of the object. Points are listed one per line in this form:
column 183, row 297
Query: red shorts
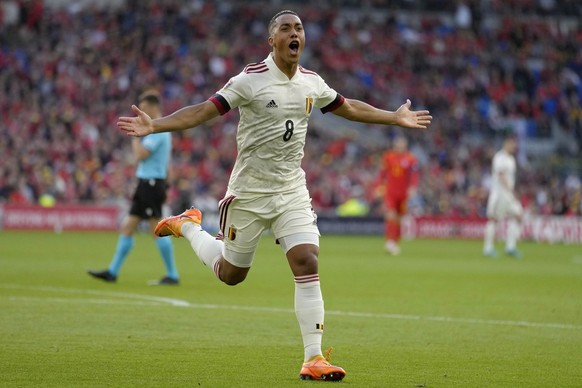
column 396, row 202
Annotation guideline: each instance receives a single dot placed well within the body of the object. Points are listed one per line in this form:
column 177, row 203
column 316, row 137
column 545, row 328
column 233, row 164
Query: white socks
column 310, row 312
column 489, row 240
column 513, row 232
column 308, row 299
column 207, row 248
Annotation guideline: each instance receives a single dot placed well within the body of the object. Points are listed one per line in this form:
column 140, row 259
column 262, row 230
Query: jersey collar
column 276, row 71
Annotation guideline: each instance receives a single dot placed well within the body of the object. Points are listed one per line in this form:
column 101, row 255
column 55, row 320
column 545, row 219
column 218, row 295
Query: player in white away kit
column 502, row 203
column 267, row 188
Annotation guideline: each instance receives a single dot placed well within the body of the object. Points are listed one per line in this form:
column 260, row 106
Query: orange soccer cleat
column 171, row 226
column 319, row 368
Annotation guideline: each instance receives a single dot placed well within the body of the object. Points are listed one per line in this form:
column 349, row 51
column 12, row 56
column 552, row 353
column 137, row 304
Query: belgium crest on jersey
column 308, row 105
column 232, row 233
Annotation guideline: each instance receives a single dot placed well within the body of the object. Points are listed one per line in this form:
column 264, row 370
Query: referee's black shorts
column 148, row 198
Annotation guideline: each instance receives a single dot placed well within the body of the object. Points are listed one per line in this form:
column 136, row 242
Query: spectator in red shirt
column 397, row 181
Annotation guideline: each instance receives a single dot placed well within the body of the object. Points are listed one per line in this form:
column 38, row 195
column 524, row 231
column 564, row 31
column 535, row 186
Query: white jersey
column 274, row 111
column 503, row 164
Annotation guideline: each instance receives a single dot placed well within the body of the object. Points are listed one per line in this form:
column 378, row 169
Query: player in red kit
column 398, row 180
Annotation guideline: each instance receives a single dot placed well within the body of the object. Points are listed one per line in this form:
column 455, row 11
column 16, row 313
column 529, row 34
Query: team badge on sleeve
column 308, row 105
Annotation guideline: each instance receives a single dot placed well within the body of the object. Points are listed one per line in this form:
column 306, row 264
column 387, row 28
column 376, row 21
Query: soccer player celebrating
column 398, row 180
column 267, row 188
column 153, row 155
column 502, row 203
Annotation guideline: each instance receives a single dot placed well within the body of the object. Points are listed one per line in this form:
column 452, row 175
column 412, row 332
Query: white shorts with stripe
column 289, row 216
column 501, row 205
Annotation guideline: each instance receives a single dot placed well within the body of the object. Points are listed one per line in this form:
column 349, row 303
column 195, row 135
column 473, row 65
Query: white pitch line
column 457, row 320
column 160, row 301
column 85, row 301
column 172, row 301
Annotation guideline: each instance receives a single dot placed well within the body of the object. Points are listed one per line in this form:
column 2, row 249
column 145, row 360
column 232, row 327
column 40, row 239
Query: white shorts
column 501, row 205
column 289, row 216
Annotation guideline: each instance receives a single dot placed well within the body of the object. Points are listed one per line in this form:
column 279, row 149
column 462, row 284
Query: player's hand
column 141, row 125
column 412, row 119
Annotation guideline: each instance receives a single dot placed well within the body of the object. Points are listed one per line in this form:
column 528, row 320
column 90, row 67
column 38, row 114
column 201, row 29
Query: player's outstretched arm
column 356, row 110
column 188, row 117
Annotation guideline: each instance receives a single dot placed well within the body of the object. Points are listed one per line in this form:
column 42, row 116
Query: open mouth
column 294, row 46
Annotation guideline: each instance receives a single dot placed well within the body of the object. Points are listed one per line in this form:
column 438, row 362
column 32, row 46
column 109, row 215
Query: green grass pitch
column 439, row 315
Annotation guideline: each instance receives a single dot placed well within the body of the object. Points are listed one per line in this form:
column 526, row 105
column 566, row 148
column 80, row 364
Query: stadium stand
column 483, row 68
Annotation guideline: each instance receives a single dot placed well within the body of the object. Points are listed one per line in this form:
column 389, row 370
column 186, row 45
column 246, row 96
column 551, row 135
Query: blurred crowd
column 484, row 68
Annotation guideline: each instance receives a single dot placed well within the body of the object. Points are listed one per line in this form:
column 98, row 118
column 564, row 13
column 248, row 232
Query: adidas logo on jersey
column 272, row 104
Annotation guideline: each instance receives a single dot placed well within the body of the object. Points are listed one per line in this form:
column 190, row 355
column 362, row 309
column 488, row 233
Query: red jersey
column 399, row 173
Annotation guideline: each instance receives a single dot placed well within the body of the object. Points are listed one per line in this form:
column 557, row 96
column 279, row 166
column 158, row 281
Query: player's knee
column 233, row 280
column 231, row 275
column 307, row 261
column 127, row 228
column 303, row 259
